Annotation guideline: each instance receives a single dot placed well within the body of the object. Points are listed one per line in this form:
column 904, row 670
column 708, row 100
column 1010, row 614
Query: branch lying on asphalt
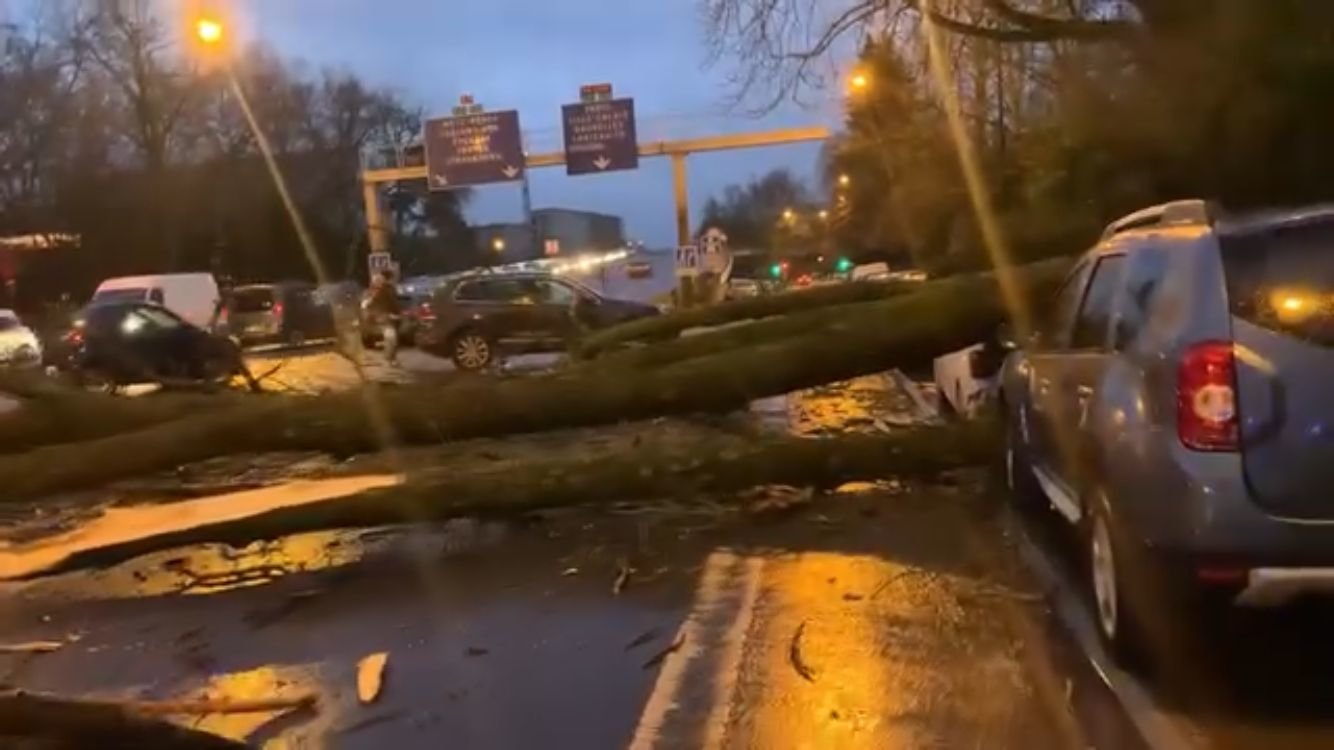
column 699, row 471
column 59, row 722
column 672, row 324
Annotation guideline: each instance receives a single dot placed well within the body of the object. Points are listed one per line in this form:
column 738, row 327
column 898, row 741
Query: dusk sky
column 533, row 56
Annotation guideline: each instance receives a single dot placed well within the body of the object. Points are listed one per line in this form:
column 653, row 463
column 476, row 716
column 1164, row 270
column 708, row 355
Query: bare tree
column 783, row 46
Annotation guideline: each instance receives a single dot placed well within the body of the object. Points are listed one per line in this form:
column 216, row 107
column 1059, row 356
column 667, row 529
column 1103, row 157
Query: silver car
column 1177, row 407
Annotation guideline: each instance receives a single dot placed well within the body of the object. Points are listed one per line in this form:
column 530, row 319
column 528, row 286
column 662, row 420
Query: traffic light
column 843, row 265
column 776, row 270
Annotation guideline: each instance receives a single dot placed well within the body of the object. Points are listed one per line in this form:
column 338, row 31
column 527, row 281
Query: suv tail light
column 424, row 312
column 277, row 310
column 1207, row 397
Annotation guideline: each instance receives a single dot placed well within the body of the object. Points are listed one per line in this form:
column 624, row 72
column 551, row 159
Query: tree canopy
column 111, row 132
column 1066, row 113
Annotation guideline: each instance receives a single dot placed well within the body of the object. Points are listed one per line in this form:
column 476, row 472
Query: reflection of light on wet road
column 891, row 661
column 850, row 695
column 262, row 683
column 123, row 525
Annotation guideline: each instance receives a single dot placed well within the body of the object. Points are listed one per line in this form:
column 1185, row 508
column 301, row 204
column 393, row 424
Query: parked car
column 287, row 312
column 19, row 346
column 1175, row 408
column 192, row 296
column 958, row 384
column 740, row 288
column 113, row 344
column 477, row 318
column 639, row 269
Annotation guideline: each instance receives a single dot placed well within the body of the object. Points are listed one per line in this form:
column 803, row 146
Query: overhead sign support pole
column 682, row 197
column 678, row 150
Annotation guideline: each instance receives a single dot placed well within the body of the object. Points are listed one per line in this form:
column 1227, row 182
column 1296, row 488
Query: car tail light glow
column 277, row 309
column 424, row 311
column 1207, row 397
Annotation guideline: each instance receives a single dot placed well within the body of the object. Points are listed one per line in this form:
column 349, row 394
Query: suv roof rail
column 1193, row 211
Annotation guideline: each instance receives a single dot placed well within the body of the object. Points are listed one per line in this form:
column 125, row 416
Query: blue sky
column 532, row 55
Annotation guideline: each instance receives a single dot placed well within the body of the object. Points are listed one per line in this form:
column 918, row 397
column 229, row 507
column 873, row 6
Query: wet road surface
column 881, row 616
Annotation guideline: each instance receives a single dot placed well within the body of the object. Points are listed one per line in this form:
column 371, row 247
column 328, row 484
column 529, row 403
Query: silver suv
column 1177, row 407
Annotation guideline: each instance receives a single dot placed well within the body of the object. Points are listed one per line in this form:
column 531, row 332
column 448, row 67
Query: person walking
column 383, row 310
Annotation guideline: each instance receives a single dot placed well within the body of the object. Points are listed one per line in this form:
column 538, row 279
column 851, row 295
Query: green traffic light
column 844, row 264
column 776, row 270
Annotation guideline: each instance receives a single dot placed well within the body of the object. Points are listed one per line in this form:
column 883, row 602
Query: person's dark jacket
column 384, row 302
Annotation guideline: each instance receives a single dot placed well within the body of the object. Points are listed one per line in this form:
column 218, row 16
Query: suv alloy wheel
column 471, row 351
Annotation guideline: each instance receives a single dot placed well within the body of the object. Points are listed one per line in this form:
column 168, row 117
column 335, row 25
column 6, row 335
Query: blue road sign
column 473, row 150
column 600, row 136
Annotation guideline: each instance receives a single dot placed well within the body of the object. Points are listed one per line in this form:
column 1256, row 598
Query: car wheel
column 471, row 351
column 1108, row 563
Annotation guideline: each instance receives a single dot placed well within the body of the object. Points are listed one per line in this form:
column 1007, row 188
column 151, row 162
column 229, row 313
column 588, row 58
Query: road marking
column 724, row 574
column 729, row 664
column 1160, row 730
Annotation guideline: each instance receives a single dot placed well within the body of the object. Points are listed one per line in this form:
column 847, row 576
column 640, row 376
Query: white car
column 19, row 346
column 959, row 390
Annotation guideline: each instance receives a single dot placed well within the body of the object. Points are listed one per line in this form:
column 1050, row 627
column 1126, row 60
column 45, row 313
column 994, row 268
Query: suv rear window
column 251, row 300
column 1283, row 279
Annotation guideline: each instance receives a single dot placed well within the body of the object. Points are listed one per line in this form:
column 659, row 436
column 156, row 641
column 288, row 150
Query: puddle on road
column 120, row 525
column 868, row 404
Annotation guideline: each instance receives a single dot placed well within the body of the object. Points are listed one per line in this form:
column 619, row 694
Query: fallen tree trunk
column 673, row 323
column 66, row 415
column 50, row 722
column 901, row 332
column 845, row 320
column 686, row 472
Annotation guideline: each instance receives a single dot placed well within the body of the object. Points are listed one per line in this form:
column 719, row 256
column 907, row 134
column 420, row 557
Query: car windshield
column 656, row 374
column 130, row 294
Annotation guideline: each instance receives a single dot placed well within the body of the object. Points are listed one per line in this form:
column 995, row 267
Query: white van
column 193, row 296
column 871, row 272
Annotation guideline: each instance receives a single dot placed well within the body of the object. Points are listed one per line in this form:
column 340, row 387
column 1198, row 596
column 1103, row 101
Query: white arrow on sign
column 602, row 162
column 510, row 172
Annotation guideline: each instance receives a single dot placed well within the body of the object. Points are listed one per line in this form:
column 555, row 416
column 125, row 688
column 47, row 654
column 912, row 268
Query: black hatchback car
column 479, row 316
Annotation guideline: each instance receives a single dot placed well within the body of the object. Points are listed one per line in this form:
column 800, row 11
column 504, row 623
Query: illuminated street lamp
column 789, row 215
column 209, row 30
column 823, row 214
column 859, row 82
column 498, row 244
column 844, row 180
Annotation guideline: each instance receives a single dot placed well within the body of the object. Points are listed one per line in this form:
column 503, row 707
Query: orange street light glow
column 859, row 81
column 209, row 30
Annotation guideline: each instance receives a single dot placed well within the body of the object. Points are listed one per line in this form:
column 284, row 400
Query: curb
column 1159, row 730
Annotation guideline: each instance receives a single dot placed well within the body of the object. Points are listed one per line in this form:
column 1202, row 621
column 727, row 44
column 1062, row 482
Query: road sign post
column 600, row 136
column 475, row 149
